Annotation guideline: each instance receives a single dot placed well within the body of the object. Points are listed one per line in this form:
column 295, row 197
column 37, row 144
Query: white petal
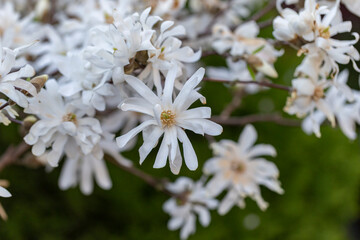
column 189, row 153
column 124, row 139
column 247, row 138
column 4, row 193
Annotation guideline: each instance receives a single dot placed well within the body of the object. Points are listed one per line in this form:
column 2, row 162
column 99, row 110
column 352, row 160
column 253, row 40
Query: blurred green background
column 321, row 179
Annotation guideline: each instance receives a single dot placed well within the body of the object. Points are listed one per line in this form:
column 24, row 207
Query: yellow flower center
column 70, row 117
column 167, row 118
column 237, row 167
column 318, row 93
column 324, row 32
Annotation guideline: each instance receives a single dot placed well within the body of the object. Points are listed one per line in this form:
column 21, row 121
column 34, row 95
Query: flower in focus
column 60, row 125
column 169, row 118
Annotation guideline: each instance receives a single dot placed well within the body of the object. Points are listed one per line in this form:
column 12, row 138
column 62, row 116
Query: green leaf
column 251, row 71
column 258, row 50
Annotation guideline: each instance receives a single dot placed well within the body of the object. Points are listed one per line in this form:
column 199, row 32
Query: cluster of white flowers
column 314, row 29
column 237, row 168
column 117, row 68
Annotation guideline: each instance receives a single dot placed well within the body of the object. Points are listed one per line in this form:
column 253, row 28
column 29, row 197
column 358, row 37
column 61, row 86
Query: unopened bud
column 254, row 61
column 39, row 81
column 42, row 8
column 29, row 121
column 268, row 70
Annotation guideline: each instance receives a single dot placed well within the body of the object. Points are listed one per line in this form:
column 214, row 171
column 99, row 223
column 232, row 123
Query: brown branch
column 266, row 23
column 158, row 184
column 12, row 154
column 4, row 106
column 235, row 103
column 14, row 120
column 264, row 11
column 275, row 118
column 262, row 83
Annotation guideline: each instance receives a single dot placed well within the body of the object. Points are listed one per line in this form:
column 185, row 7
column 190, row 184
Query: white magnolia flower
column 352, row 5
column 238, row 167
column 194, row 201
column 170, row 118
column 167, row 53
column 14, row 31
column 60, row 125
column 257, row 52
column 316, row 26
column 114, row 47
column 307, row 95
column 81, row 168
column 291, row 24
column 338, row 102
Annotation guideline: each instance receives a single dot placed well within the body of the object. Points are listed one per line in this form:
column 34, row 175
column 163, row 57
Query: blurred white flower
column 243, row 42
column 194, row 200
column 238, row 168
column 345, row 113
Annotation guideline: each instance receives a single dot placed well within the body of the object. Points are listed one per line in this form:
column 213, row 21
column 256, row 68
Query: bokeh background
column 321, row 178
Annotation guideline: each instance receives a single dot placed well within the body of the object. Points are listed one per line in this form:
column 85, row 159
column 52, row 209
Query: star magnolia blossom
column 195, row 200
column 309, row 94
column 114, row 48
column 239, row 168
column 167, row 52
column 316, row 26
column 169, row 118
column 346, row 114
column 352, row 5
column 244, row 42
column 60, row 125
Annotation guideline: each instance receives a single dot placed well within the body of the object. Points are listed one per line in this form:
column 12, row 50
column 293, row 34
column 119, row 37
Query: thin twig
column 266, row 23
column 14, row 120
column 12, row 154
column 235, row 103
column 4, row 106
column 264, row 11
column 158, row 184
column 262, row 83
column 275, row 118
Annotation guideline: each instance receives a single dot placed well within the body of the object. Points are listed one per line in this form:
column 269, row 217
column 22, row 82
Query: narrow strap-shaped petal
column 150, row 142
column 124, row 139
column 189, row 153
column 142, row 89
column 163, row 152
